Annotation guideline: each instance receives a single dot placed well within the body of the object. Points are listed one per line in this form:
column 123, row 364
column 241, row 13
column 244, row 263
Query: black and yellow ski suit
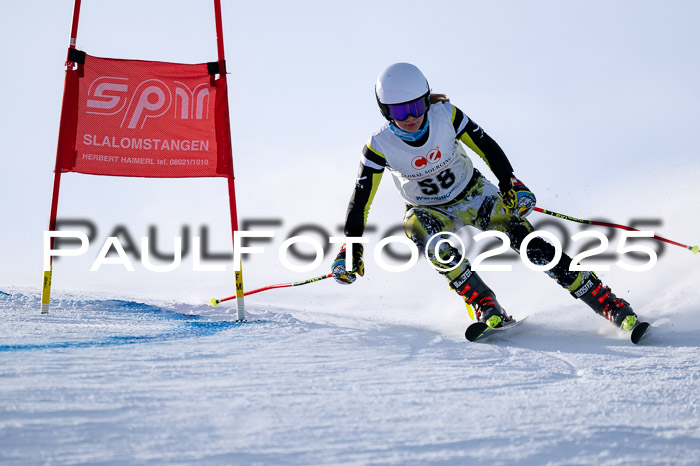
column 444, row 193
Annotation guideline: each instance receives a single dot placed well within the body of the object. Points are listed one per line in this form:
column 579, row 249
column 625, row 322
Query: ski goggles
column 400, row 112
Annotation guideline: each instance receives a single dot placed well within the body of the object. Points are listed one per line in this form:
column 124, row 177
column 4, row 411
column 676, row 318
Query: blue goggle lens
column 400, row 112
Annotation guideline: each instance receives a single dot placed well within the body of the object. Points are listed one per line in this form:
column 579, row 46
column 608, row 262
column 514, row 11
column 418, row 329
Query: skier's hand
column 518, row 198
column 340, row 273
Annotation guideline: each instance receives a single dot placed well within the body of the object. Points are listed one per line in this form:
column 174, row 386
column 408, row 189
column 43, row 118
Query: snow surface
column 104, row 381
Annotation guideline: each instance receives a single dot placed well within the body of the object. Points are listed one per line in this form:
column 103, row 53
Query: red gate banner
column 143, row 118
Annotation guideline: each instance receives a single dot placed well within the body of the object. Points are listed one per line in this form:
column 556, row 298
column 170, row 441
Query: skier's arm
column 516, row 196
column 477, row 140
column 371, row 171
column 368, row 178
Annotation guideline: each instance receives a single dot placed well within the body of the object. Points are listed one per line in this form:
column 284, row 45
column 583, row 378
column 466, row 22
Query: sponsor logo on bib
column 421, row 161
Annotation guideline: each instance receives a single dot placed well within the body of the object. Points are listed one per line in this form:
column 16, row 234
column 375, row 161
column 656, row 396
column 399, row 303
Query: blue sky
column 595, row 103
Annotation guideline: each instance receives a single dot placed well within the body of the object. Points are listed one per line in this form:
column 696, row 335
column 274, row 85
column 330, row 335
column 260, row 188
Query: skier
column 420, row 146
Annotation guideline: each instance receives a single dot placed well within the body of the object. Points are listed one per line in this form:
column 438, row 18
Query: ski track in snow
column 104, row 381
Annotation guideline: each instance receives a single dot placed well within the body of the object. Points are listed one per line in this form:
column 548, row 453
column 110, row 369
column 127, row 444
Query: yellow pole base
column 240, row 316
column 46, row 292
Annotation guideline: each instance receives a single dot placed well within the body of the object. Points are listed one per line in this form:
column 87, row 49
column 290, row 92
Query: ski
column 479, row 330
column 639, row 331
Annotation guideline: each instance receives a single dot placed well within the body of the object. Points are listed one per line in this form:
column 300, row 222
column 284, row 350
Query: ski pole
column 693, row 249
column 215, row 302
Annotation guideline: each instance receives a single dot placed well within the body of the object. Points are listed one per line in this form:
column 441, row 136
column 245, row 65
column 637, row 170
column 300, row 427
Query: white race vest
column 434, row 173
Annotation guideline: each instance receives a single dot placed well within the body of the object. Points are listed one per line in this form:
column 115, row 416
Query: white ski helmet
column 401, row 83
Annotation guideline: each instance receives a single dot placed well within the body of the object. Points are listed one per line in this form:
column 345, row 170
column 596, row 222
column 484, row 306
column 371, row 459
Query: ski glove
column 340, row 273
column 518, row 198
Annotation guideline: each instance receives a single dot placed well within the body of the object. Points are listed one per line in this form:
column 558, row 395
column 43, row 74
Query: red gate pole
column 227, row 141
column 46, row 286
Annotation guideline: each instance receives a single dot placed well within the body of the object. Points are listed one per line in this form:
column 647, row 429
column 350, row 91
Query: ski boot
column 599, row 297
column 476, row 294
